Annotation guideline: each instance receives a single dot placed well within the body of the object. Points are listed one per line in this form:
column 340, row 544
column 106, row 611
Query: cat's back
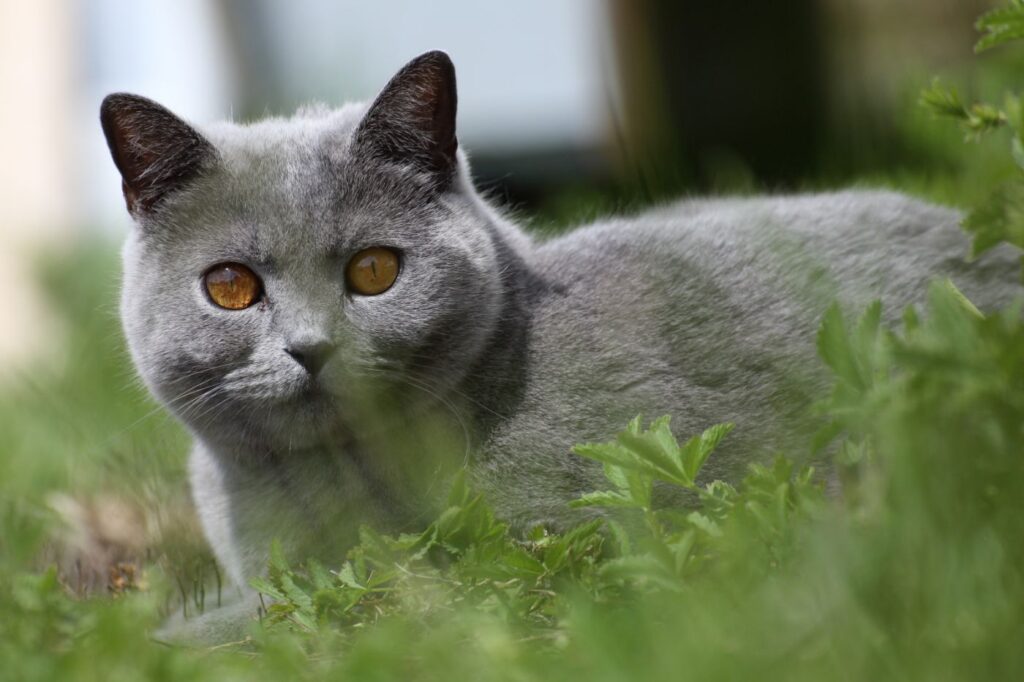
column 851, row 245
column 706, row 310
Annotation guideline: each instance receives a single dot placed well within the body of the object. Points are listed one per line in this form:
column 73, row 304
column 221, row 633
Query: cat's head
column 279, row 269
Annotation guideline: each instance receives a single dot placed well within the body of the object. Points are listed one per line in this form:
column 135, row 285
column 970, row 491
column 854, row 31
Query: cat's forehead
column 280, row 174
column 287, row 189
column 285, row 146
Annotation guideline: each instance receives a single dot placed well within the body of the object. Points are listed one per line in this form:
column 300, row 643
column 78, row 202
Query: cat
column 340, row 319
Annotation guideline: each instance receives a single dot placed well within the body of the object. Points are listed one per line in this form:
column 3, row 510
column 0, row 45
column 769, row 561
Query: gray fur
column 499, row 349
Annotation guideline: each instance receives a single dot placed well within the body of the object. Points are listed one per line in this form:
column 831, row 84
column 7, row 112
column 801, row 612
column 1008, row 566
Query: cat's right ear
column 155, row 151
column 412, row 121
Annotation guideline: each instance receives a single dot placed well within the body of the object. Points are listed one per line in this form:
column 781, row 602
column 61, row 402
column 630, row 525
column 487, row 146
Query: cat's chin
column 310, row 416
column 299, row 420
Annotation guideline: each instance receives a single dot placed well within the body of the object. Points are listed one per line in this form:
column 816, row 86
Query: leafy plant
column 467, row 559
column 1000, row 218
column 1001, row 25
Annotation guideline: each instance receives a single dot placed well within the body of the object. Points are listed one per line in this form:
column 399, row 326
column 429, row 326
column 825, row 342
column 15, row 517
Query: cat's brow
column 252, row 246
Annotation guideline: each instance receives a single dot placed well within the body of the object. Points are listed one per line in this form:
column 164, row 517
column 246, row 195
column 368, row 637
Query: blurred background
column 569, row 108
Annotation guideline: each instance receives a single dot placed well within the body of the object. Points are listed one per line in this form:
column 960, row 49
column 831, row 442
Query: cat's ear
column 154, row 150
column 412, row 121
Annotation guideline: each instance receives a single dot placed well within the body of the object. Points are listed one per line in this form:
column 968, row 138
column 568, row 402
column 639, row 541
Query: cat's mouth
column 309, row 417
column 314, row 397
column 309, row 411
column 313, row 391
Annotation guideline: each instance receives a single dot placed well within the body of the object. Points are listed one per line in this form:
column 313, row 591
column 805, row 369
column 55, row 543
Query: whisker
column 404, row 373
column 447, row 404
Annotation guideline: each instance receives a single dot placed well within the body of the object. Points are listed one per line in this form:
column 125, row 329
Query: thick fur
column 497, row 348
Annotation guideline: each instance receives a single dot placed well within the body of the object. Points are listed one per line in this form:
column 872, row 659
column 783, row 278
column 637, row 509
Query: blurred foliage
column 1001, row 25
column 1000, row 217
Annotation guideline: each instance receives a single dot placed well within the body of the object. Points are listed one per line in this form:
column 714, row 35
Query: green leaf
column 983, row 118
column 943, row 101
column 1000, row 26
column 962, row 300
column 911, row 320
column 642, row 568
column 278, row 562
column 633, row 484
column 265, row 587
column 976, row 119
column 621, row 536
column 649, row 448
column 1000, row 218
column 1017, row 151
column 294, row 593
column 521, row 560
column 705, row 524
column 661, row 432
column 563, row 549
column 681, row 549
column 319, row 575
column 696, row 450
column 347, row 577
column 868, row 325
column 835, row 349
column 613, row 453
column 460, row 493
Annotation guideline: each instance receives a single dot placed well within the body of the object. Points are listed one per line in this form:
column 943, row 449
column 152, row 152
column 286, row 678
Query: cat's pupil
column 372, row 271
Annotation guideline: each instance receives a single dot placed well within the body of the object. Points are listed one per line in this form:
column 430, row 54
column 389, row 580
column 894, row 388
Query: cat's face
column 283, row 274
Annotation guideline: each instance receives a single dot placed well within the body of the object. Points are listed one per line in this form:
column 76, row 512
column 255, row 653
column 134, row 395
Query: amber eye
column 232, row 286
column 372, row 271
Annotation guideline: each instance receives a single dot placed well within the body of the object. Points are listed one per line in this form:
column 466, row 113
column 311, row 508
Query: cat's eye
column 372, row 271
column 232, row 286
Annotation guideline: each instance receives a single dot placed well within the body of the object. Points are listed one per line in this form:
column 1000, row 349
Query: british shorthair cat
column 341, row 320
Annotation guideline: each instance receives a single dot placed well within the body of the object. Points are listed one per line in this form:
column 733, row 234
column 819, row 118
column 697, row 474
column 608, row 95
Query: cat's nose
column 311, row 355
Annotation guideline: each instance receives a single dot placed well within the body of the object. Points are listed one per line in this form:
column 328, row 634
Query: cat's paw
column 230, row 623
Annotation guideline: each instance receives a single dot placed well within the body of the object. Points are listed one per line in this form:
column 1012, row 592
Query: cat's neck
column 495, row 383
column 512, row 243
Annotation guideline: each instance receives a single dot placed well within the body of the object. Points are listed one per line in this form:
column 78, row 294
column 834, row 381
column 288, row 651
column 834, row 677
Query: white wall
column 170, row 51
column 36, row 196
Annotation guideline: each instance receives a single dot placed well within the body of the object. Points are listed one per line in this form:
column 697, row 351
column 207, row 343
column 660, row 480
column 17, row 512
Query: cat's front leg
column 228, row 623
column 218, row 492
column 214, row 491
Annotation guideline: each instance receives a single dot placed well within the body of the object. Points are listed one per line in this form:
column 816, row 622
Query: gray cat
column 341, row 320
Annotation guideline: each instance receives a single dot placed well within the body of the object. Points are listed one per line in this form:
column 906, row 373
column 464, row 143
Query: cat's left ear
column 412, row 121
column 156, row 152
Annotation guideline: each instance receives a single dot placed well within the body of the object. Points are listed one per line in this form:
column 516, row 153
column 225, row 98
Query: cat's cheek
column 385, row 329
